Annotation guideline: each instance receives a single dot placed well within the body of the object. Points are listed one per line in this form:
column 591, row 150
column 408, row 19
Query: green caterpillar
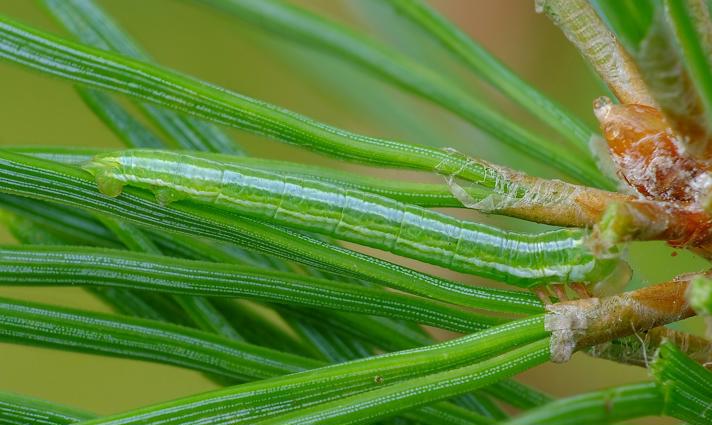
column 520, row 259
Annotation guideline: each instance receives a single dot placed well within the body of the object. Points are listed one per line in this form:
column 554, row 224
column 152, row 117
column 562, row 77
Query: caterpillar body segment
column 520, row 259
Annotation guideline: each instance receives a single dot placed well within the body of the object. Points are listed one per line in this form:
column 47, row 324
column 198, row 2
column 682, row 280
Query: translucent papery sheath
column 524, row 260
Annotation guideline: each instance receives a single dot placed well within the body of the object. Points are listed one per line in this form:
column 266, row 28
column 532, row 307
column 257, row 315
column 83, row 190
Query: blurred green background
column 180, row 34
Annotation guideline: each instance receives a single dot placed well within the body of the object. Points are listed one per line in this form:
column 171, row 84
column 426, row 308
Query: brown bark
column 592, row 321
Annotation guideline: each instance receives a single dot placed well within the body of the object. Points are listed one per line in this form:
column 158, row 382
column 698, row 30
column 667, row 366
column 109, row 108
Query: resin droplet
column 647, row 152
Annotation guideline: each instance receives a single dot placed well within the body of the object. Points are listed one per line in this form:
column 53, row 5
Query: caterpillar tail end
column 612, row 284
column 615, row 282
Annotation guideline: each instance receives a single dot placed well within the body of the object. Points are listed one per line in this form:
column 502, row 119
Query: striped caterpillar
column 525, row 260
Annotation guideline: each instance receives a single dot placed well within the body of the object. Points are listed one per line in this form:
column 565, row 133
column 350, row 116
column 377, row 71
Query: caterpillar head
column 106, row 171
